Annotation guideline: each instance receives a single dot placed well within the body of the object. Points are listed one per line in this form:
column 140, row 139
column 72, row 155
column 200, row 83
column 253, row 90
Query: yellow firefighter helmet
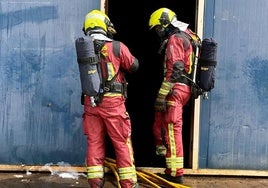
column 98, row 20
column 162, row 17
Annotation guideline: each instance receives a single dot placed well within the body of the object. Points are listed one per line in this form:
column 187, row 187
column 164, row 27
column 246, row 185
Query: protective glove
column 178, row 72
column 160, row 103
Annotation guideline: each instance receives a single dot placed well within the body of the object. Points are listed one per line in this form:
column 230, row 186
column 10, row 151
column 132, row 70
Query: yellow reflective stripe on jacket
column 127, row 173
column 165, row 88
column 191, row 60
column 95, row 172
column 110, row 70
column 163, row 91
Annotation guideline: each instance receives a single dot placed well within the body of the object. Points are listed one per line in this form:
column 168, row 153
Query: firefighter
column 174, row 92
column 109, row 117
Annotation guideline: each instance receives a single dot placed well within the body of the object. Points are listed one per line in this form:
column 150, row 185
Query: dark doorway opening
column 130, row 19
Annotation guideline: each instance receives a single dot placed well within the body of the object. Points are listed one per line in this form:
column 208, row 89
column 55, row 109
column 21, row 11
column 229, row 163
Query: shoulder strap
column 184, row 38
column 116, row 51
column 116, row 48
column 193, row 37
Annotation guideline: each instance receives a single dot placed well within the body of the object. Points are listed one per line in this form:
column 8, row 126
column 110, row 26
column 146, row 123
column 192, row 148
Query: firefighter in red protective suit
column 110, row 115
column 174, row 93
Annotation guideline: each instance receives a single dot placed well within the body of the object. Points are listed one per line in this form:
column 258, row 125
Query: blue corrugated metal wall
column 234, row 121
column 40, row 117
column 40, row 114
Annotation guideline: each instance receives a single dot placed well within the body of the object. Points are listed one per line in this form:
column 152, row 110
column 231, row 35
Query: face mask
column 160, row 31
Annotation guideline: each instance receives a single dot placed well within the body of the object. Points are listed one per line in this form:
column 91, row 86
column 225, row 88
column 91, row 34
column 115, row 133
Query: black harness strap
column 111, row 85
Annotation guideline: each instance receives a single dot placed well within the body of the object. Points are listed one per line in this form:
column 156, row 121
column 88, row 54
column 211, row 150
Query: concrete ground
column 64, row 180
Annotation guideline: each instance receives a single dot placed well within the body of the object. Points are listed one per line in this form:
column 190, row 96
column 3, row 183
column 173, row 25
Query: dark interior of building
column 130, row 19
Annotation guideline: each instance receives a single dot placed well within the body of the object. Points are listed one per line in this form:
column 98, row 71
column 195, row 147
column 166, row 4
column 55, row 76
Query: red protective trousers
column 170, row 124
column 111, row 118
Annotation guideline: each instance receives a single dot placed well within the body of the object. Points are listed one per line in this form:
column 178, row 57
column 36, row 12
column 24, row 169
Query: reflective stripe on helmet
column 96, row 19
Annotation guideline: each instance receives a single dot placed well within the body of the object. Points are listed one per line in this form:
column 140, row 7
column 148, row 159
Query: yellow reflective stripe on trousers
column 176, row 162
column 172, row 140
column 127, row 173
column 170, row 103
column 173, row 162
column 130, row 149
column 95, row 172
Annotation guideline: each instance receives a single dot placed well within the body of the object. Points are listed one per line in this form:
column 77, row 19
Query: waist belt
column 115, row 87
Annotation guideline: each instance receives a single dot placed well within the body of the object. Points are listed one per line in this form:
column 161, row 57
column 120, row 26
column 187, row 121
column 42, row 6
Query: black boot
column 177, row 179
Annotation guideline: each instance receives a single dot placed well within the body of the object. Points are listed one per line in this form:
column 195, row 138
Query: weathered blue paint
column 40, row 114
column 234, row 132
column 40, row 117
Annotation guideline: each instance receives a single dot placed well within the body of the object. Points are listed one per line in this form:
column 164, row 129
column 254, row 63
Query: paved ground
column 65, row 180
